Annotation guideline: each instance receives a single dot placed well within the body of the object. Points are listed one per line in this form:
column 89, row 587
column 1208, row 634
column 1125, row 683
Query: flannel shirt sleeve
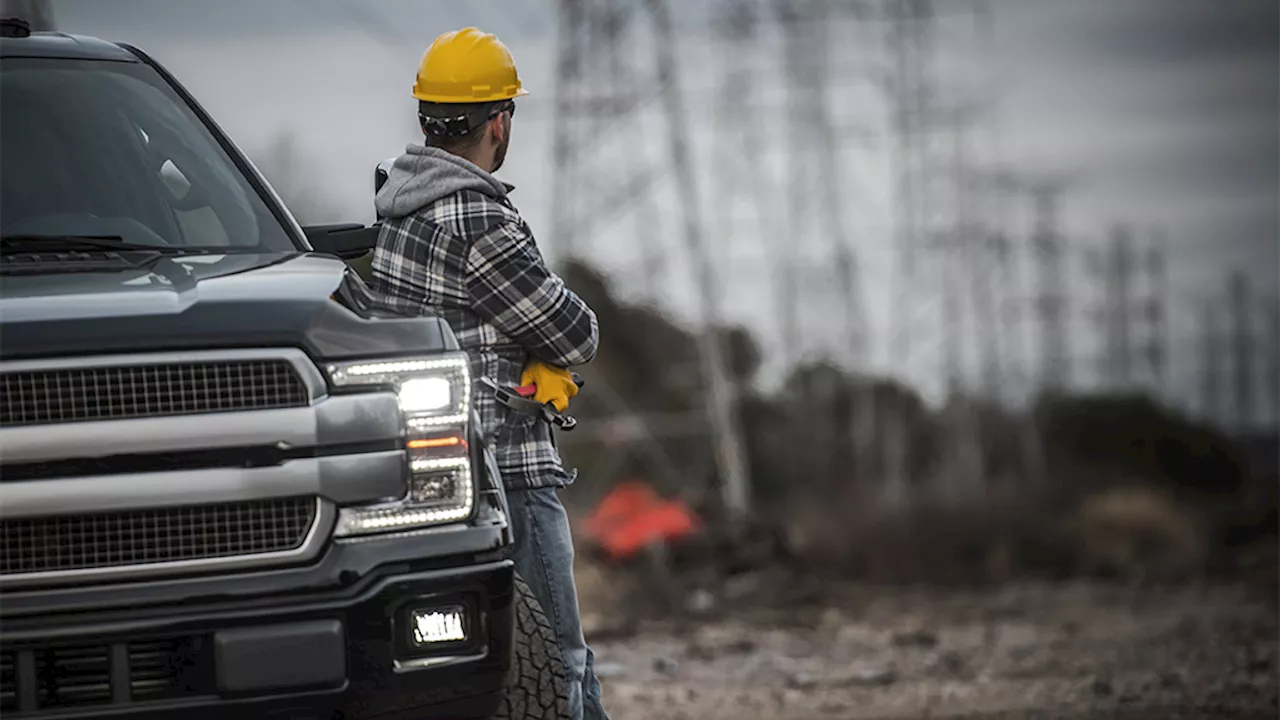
column 512, row 288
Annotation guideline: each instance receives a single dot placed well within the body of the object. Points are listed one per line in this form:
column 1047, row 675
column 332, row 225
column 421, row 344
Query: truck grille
column 44, row 397
column 139, row 537
column 75, row 675
column 82, row 675
column 8, row 682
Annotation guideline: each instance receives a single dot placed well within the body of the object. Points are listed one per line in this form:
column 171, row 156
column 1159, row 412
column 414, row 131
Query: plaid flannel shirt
column 472, row 260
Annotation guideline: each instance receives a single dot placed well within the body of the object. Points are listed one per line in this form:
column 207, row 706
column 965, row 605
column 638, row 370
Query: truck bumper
column 351, row 651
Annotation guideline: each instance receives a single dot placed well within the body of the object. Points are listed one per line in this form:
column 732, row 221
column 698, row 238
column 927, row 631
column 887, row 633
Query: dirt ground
column 1027, row 650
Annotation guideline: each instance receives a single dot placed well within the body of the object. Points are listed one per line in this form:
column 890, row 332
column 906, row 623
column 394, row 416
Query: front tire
column 536, row 688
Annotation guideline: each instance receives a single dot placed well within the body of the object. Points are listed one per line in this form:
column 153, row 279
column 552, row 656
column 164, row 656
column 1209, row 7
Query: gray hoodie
column 423, row 175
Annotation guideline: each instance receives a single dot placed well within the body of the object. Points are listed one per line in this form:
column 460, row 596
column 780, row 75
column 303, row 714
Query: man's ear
column 498, row 129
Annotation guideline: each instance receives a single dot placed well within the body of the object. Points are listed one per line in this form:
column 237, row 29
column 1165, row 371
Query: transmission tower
column 1051, row 300
column 37, row 13
column 1240, row 304
column 959, row 250
column 1271, row 313
column 817, row 199
column 988, row 243
column 1155, row 313
column 1004, row 377
column 582, row 98
column 1210, row 364
column 1011, row 250
column 1118, row 313
column 910, row 92
column 748, row 191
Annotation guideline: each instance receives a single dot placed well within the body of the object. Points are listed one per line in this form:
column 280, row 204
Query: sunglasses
column 461, row 125
column 508, row 106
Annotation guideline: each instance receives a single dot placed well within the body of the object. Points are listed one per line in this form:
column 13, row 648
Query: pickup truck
column 231, row 484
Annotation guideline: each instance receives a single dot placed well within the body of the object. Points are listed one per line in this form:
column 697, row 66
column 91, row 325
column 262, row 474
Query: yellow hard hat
column 467, row 66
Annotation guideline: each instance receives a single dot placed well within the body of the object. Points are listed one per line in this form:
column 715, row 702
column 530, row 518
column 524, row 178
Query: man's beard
column 500, row 154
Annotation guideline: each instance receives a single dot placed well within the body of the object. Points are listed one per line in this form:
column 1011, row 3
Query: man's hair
column 453, row 127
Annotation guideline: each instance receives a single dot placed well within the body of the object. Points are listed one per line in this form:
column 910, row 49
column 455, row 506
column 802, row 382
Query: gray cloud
column 1176, row 32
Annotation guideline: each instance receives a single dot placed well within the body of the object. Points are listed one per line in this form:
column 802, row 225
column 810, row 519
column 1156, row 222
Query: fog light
column 438, row 625
column 432, row 489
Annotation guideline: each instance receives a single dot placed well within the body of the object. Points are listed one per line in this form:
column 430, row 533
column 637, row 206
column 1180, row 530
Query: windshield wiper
column 54, row 243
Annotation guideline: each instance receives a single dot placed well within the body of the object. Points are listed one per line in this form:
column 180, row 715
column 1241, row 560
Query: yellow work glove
column 555, row 384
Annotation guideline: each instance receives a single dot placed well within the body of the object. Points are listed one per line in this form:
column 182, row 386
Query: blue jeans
column 544, row 558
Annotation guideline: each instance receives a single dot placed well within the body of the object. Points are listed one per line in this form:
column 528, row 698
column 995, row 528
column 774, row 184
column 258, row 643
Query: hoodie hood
column 423, row 175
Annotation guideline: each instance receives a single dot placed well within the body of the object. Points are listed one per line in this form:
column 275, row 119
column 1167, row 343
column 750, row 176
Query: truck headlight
column 435, row 400
column 433, row 391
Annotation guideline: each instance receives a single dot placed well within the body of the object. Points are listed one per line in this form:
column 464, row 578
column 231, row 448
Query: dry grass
column 1130, row 531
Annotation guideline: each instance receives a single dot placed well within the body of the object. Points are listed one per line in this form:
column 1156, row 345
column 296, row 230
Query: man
column 453, row 243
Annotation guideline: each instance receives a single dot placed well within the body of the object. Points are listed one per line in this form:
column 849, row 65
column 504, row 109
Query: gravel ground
column 1060, row 651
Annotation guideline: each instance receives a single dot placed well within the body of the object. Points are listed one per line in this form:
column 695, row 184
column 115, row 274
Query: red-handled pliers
column 518, row 399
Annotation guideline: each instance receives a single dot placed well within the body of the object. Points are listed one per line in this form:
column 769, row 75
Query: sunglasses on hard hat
column 507, row 106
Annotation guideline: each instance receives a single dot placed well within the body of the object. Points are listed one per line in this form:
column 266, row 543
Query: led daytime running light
column 402, row 515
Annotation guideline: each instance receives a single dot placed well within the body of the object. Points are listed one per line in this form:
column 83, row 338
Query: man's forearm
column 512, row 289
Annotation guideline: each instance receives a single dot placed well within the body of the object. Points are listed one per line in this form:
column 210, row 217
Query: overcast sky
column 1164, row 113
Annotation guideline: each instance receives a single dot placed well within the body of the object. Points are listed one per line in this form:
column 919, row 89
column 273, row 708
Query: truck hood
column 166, row 287
column 200, row 301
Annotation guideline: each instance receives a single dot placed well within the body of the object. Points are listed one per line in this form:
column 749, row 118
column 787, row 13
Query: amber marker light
column 440, row 442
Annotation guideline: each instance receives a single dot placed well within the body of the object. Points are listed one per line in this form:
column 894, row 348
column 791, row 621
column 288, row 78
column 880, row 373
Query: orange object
column 450, row 441
column 632, row 517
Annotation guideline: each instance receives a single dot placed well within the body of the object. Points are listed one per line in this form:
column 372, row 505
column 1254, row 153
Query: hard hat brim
column 447, row 99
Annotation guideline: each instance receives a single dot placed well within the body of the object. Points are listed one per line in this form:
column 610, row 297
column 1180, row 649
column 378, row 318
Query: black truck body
column 216, row 498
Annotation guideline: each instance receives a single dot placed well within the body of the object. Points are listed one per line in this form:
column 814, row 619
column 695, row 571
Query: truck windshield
column 105, row 148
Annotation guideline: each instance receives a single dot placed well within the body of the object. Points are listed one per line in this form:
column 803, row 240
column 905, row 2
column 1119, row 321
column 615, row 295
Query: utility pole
column 1241, row 307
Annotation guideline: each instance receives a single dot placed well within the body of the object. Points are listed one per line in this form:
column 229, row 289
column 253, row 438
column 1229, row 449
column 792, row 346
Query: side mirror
column 348, row 241
column 381, row 172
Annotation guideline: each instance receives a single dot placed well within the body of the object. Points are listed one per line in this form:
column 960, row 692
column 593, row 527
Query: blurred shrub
column 1131, row 486
column 1091, row 439
column 1138, row 532
column 930, row 541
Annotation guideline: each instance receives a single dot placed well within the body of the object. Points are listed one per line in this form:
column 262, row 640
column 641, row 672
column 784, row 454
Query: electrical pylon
column 587, row 25
column 1241, row 308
